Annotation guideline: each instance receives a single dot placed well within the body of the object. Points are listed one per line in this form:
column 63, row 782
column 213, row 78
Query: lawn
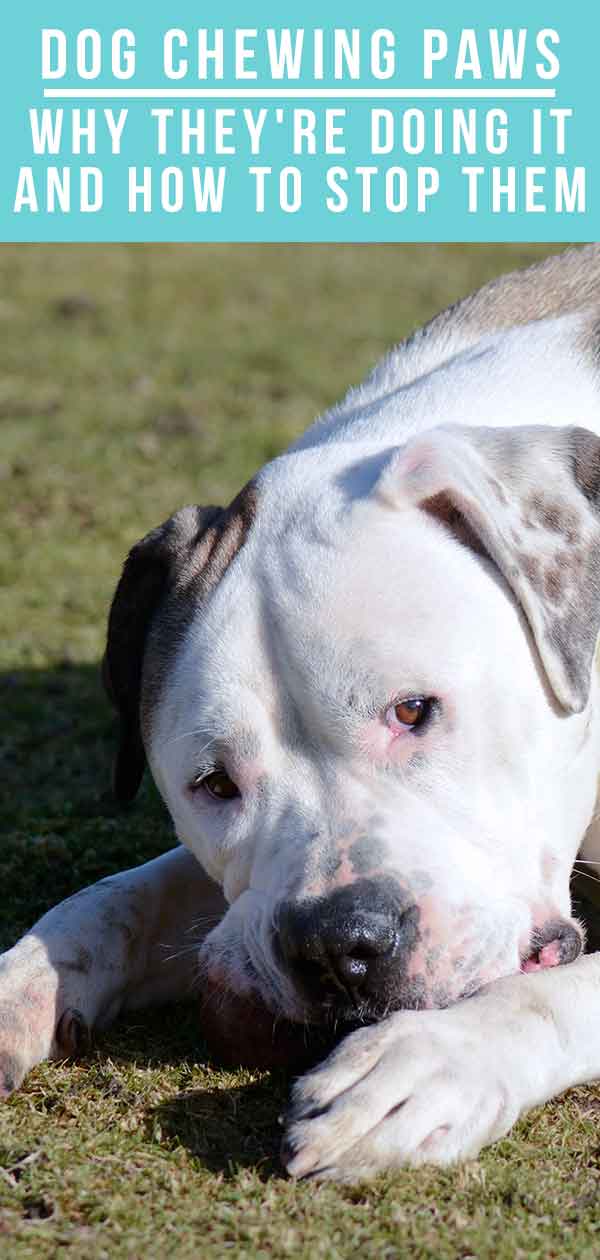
column 136, row 379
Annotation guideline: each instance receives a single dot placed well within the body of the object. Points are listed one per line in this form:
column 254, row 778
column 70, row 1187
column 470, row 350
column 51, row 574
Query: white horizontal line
column 280, row 94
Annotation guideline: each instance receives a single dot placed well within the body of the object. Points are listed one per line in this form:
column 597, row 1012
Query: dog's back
column 556, row 300
column 564, row 284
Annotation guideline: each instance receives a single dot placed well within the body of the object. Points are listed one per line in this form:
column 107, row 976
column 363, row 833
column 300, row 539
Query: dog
column 366, row 692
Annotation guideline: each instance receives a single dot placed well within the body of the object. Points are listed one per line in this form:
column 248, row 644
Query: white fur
column 329, row 585
column 344, row 588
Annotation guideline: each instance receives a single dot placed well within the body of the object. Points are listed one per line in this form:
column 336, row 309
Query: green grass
column 136, row 379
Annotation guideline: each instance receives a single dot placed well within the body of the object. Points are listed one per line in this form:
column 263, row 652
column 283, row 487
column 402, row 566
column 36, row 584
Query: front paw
column 16, row 1047
column 23, row 1042
column 421, row 1087
column 36, row 1022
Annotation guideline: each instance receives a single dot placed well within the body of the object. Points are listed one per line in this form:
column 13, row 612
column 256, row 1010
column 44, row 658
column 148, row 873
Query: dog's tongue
column 548, row 956
column 242, row 1032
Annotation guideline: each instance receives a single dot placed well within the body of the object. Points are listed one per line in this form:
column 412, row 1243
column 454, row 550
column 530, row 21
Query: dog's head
column 365, row 692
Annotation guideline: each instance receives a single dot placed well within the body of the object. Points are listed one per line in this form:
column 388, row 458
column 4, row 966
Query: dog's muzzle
column 345, row 952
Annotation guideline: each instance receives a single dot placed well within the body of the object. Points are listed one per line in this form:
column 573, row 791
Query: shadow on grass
column 61, row 827
column 55, row 740
column 159, row 1036
column 228, row 1128
column 231, row 1125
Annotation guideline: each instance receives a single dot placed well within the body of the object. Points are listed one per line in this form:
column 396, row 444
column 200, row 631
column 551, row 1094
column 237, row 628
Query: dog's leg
column 126, row 941
column 436, row 1086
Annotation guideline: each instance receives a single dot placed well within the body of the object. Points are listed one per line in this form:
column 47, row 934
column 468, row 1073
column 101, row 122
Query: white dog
column 366, row 693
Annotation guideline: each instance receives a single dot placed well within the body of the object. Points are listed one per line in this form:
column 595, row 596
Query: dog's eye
column 218, row 785
column 411, row 712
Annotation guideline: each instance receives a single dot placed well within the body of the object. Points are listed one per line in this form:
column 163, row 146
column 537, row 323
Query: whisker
column 180, row 953
column 200, row 730
column 203, row 920
column 586, row 875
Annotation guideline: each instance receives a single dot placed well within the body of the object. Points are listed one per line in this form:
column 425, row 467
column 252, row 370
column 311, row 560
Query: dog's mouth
column 242, row 1031
column 558, row 942
column 245, row 1029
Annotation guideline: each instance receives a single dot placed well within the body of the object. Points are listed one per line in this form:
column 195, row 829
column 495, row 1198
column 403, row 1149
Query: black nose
column 346, row 949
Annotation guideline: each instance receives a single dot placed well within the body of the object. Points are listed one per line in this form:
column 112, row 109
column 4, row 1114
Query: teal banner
column 270, row 122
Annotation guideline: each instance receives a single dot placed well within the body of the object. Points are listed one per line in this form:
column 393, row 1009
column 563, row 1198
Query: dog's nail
column 72, row 1034
column 298, row 1164
column 316, row 1174
column 305, row 1111
column 11, row 1074
column 288, row 1150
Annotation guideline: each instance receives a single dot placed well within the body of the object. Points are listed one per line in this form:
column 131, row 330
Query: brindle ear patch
column 556, row 580
column 572, row 629
column 149, row 570
column 441, row 508
column 528, row 499
column 553, row 515
column 553, row 578
column 176, row 564
column 585, row 461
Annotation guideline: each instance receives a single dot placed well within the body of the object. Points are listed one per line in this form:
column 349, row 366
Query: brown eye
column 412, row 711
column 218, row 785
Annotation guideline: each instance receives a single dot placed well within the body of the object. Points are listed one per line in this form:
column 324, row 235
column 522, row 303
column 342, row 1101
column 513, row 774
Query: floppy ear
column 153, row 568
column 527, row 498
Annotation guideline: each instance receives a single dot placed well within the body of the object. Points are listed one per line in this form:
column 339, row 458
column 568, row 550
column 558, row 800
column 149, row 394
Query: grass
column 136, row 379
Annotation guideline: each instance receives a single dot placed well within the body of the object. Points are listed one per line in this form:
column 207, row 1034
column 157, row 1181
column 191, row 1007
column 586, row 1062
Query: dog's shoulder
column 561, row 285
column 557, row 299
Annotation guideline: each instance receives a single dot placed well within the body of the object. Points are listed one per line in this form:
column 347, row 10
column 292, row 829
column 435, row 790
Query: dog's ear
column 527, row 498
column 153, row 568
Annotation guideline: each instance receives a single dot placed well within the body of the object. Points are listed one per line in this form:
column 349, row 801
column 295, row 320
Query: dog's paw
column 33, row 1026
column 420, row 1087
column 15, row 1041
column 23, row 1043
